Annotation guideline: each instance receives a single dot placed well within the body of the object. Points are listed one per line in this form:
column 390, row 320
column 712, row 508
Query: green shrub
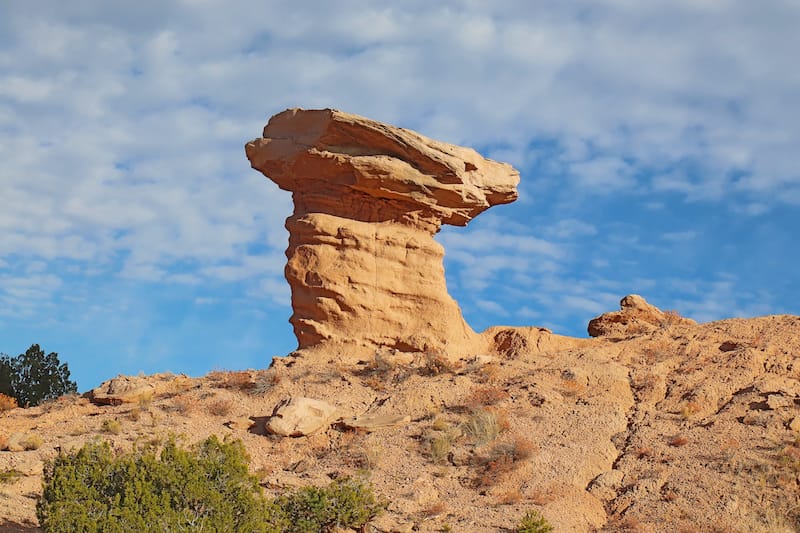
column 9, row 476
column 534, row 522
column 346, row 502
column 31, row 442
column 111, row 426
column 206, row 488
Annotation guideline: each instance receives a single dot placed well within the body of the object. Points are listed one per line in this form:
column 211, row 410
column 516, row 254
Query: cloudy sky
column 657, row 142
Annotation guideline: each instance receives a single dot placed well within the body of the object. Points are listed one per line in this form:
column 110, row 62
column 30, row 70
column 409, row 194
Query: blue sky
column 657, row 142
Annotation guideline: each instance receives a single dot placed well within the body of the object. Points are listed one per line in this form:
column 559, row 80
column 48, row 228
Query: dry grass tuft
column 518, row 449
column 145, row 401
column 355, row 449
column 9, row 476
column 485, row 396
column 435, row 364
column 504, row 457
column 113, row 427
column 439, row 424
column 265, row 382
column 509, row 497
column 183, row 404
column 482, row 426
column 220, row 407
column 439, row 446
column 435, row 509
column 31, row 442
column 549, row 494
column 488, row 373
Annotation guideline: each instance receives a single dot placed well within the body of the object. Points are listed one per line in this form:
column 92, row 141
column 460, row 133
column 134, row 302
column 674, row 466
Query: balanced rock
column 635, row 317
column 364, row 269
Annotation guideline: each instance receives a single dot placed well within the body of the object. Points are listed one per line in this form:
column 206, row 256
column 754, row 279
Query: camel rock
column 364, row 269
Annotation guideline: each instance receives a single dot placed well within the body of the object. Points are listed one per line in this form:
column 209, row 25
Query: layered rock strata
column 364, row 269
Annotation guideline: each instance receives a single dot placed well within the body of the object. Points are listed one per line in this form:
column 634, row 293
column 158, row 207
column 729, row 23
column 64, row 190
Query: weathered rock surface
column 122, row 389
column 298, row 417
column 635, row 317
column 133, row 389
column 368, row 197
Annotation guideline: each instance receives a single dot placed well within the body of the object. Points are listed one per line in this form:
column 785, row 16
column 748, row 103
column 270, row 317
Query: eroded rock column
column 364, row 269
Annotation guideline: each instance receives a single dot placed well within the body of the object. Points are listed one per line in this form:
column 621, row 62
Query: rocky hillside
column 656, row 424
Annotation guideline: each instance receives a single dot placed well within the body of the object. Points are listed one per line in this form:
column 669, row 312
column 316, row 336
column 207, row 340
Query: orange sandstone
column 364, row 269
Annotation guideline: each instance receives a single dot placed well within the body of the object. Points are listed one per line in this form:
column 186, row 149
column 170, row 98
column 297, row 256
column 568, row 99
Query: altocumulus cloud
column 126, row 197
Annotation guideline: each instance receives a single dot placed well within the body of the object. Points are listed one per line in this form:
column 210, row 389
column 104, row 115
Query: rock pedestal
column 364, row 269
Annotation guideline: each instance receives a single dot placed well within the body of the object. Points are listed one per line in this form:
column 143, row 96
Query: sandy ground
column 685, row 428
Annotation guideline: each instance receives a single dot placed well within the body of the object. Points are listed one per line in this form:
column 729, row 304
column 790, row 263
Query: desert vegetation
column 32, row 378
column 205, row 487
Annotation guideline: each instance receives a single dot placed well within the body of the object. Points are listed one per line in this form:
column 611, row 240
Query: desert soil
column 683, row 428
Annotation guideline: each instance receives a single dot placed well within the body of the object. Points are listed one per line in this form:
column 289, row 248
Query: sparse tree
column 34, row 377
column 6, row 375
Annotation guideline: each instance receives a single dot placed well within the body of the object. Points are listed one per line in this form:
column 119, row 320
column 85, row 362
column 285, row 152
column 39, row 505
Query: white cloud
column 491, row 307
column 602, row 174
column 569, row 228
column 121, row 129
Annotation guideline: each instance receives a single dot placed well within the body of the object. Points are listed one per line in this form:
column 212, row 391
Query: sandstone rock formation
column 635, row 317
column 363, row 266
column 132, row 389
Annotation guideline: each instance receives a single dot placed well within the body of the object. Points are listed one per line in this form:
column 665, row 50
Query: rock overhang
column 320, row 155
column 362, row 263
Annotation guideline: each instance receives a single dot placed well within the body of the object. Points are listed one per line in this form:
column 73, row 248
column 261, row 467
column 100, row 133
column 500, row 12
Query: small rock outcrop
column 635, row 317
column 132, row 389
column 364, row 269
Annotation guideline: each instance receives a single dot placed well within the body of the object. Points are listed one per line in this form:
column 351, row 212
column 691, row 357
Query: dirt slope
column 681, row 428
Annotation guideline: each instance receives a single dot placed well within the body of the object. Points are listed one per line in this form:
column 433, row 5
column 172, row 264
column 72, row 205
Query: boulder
column 298, row 417
column 363, row 267
column 635, row 317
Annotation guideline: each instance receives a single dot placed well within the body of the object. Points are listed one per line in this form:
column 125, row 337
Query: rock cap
column 350, row 166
